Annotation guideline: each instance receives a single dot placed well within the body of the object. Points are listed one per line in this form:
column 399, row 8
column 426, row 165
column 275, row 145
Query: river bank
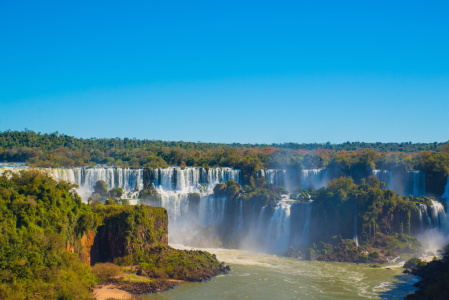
column 262, row 276
column 127, row 290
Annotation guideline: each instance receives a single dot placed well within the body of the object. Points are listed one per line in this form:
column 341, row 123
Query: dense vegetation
column 257, row 194
column 377, row 210
column 59, row 150
column 43, row 229
column 37, row 218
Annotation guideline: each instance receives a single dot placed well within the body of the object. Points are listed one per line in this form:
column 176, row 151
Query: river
column 262, row 276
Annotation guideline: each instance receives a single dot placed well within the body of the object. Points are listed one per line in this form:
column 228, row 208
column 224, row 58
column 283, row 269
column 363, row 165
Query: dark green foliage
column 166, row 262
column 262, row 192
column 355, row 159
column 116, row 192
column 378, row 210
column 300, row 194
column 40, row 219
column 38, row 216
column 230, row 189
column 414, row 262
column 128, row 228
column 86, row 222
column 101, row 188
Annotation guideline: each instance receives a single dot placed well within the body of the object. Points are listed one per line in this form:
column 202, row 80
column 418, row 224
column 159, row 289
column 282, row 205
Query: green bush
column 38, row 217
column 105, row 271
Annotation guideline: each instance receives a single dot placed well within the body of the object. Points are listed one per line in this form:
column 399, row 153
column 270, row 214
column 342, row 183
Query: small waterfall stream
column 278, row 230
column 240, row 216
column 309, row 178
column 314, row 178
column 355, row 237
column 415, row 183
column 433, row 217
column 385, row 176
column 446, row 195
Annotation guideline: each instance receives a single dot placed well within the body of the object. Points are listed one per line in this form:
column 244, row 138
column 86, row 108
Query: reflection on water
column 262, row 276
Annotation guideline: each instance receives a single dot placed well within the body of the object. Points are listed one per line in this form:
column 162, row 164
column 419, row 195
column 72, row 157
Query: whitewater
column 262, row 276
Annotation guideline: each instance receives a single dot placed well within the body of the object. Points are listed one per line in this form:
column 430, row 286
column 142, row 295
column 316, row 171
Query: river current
column 262, row 276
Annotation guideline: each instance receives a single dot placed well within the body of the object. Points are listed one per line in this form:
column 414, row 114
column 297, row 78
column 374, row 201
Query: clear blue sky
column 227, row 71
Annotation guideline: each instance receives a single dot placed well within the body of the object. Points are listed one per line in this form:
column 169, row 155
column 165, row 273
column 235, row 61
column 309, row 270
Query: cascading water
column 260, row 173
column 240, row 217
column 191, row 179
column 278, row 231
column 446, row 195
column 439, row 218
column 311, row 178
column 174, row 186
column 212, row 210
column 415, row 183
column 434, row 217
column 355, row 236
column 302, row 222
column 220, row 175
column 275, row 177
column 127, row 179
column 260, row 223
column 423, row 216
column 385, row 176
column 12, row 167
column 314, row 178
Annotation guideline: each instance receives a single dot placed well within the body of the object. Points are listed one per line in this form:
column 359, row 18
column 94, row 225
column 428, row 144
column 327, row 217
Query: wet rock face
column 83, row 247
column 127, row 229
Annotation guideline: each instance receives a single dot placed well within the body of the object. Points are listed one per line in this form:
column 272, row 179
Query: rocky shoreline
column 138, row 288
column 378, row 250
column 434, row 283
column 121, row 288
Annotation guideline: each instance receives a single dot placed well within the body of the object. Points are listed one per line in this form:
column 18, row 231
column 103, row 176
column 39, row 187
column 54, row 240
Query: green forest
column 59, row 150
column 44, row 242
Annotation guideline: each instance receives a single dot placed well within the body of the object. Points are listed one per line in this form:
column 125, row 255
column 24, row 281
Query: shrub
column 363, row 258
column 414, row 262
column 105, row 271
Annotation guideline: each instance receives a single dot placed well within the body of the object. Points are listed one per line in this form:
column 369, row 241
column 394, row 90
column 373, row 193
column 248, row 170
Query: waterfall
column 385, row 176
column 127, row 179
column 176, row 204
column 437, row 217
column 174, row 185
column 355, row 237
column 275, row 177
column 260, row 223
column 211, row 211
column 423, row 215
column 240, row 217
column 446, row 195
column 13, row 167
column 415, row 183
column 278, row 232
column 303, row 221
column 314, row 178
column 190, row 179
